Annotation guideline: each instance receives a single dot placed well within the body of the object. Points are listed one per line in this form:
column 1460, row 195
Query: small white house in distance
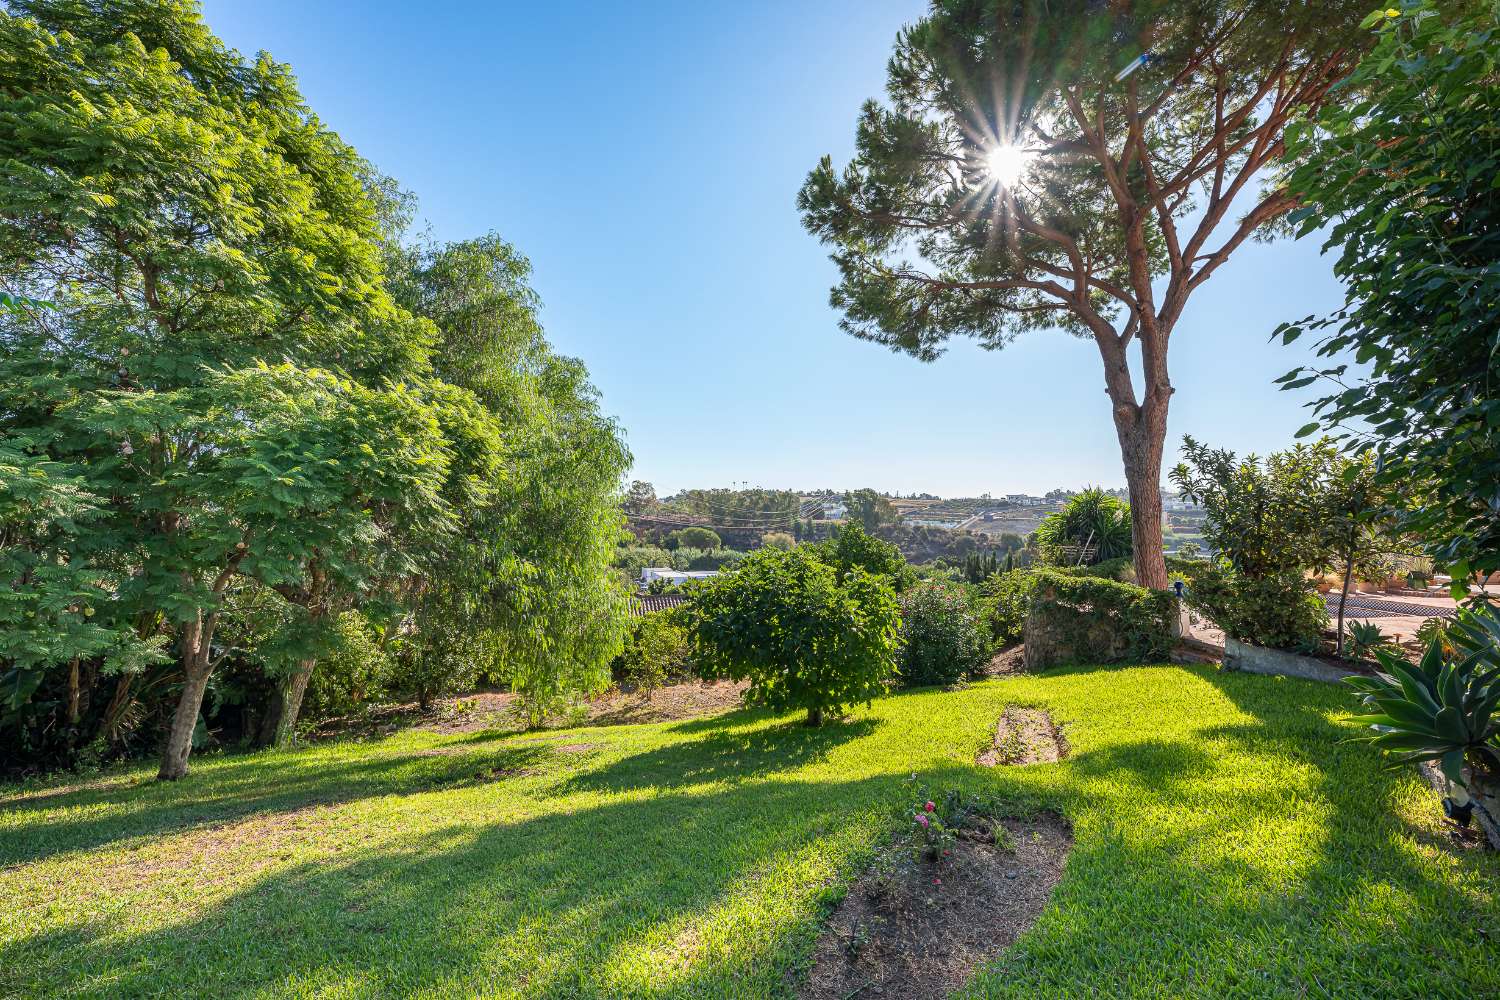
column 835, row 510
column 673, row 576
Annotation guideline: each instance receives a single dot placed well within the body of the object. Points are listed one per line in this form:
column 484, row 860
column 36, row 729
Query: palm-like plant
column 1443, row 709
column 1091, row 520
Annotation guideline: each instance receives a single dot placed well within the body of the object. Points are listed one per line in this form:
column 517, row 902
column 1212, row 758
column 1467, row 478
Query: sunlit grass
column 1228, row 844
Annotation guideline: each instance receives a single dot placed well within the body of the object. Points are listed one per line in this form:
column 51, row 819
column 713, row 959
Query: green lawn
column 1228, row 845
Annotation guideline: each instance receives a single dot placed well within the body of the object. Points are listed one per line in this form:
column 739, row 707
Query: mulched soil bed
column 1024, row 736
column 917, row 929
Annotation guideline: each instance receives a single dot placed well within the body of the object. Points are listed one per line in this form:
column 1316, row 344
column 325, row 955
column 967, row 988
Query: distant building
column 933, row 521
column 835, row 510
column 674, row 576
column 1022, row 500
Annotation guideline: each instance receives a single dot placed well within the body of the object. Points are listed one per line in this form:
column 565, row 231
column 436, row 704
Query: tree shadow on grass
column 242, row 787
column 565, row 904
column 729, row 755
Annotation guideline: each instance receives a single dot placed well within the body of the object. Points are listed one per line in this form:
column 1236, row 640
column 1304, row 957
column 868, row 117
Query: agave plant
column 1444, row 709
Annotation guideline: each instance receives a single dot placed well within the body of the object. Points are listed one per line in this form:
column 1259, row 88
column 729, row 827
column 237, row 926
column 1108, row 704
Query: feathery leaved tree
column 1016, row 181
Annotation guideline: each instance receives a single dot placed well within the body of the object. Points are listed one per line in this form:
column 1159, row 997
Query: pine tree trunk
column 196, row 637
column 1142, row 431
column 293, row 688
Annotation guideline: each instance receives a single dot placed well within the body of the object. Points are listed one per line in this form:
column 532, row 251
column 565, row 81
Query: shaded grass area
column 1226, row 844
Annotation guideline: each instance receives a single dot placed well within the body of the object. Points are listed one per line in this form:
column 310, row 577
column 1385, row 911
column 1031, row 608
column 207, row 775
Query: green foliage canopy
column 804, row 638
column 1400, row 175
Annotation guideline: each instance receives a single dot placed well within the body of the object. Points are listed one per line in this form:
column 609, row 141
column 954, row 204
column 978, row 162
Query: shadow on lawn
column 235, row 788
column 729, row 755
column 549, row 905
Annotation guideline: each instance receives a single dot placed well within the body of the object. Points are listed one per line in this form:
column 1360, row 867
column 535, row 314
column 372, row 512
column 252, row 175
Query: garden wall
column 1260, row 660
column 1090, row 620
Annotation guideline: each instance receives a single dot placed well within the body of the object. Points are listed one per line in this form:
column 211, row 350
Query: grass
column 1228, row 844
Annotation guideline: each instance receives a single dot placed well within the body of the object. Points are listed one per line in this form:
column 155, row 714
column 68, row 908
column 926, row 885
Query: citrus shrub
column 657, row 650
column 804, row 637
column 942, row 640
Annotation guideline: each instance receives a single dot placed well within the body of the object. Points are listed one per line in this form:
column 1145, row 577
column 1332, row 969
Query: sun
column 1007, row 164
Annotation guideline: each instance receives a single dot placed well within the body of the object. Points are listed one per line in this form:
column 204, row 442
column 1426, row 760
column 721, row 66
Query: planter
column 1260, row 660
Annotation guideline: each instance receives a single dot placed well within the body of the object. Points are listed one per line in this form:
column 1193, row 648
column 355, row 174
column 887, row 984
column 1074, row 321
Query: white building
column 835, row 510
column 674, row 577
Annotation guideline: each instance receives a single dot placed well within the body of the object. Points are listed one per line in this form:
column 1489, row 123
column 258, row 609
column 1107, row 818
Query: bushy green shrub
column 801, row 636
column 1098, row 621
column 634, row 558
column 1279, row 610
column 657, row 651
column 852, row 547
column 942, row 640
column 713, row 559
column 1092, row 520
column 1008, row 600
column 694, row 538
column 1121, row 569
column 354, row 673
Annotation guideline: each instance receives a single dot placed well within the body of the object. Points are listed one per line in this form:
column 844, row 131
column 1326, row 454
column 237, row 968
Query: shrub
column 1090, row 520
column 355, row 672
column 1282, row 611
column 778, row 540
column 634, row 558
column 657, row 650
column 1008, row 597
column 852, row 547
column 941, row 637
column 1444, row 709
column 714, row 559
column 1075, row 618
column 804, row 638
column 694, row 538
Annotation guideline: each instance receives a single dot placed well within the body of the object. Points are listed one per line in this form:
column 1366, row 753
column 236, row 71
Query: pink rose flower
column 929, row 807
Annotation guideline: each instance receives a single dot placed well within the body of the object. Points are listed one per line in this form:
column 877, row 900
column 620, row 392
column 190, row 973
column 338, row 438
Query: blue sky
column 646, row 157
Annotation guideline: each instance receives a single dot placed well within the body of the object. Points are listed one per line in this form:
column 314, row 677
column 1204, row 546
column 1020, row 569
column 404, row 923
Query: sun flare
column 1006, row 164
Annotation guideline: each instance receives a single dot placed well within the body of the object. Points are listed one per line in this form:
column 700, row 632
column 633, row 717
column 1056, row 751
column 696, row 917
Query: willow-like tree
column 1017, row 181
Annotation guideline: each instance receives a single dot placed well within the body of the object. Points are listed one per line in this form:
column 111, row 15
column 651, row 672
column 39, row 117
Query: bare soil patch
column 1024, row 736
column 496, row 710
column 1010, row 660
column 917, row 929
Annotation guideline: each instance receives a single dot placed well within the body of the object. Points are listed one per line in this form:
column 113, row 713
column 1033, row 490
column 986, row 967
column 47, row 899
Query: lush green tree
column 1091, row 527
column 658, row 649
column 804, row 640
column 694, row 538
column 188, row 218
column 851, row 547
column 1355, row 520
column 640, row 497
column 1399, row 177
column 942, row 638
column 1264, row 521
column 870, row 509
column 1017, row 180
column 526, row 577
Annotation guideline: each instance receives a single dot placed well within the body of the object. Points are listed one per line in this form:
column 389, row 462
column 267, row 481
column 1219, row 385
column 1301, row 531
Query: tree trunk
column 814, row 717
column 1343, row 597
column 196, row 636
column 293, row 688
column 1142, row 431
